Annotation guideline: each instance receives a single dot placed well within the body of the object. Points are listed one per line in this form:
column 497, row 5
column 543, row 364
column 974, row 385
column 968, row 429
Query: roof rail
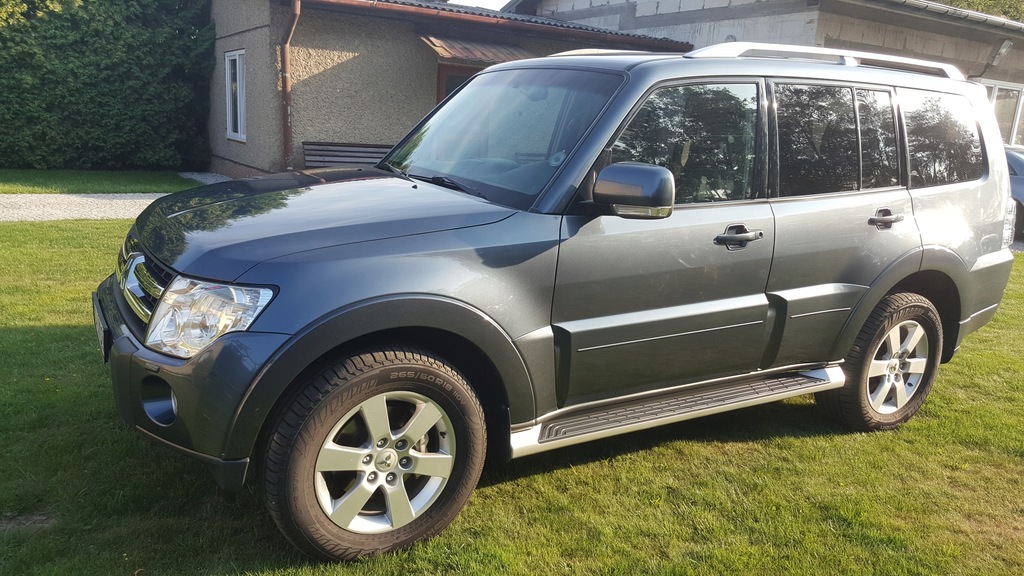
column 598, row 52
column 845, row 57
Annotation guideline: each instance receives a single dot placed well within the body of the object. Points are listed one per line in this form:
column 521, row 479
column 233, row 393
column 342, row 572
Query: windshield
column 506, row 133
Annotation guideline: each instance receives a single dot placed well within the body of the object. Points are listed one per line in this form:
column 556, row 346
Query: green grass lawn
column 774, row 489
column 90, row 182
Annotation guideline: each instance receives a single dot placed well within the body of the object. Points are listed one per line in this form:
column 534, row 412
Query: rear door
column 644, row 304
column 842, row 212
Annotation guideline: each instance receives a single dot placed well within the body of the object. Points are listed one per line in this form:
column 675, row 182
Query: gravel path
column 42, row 207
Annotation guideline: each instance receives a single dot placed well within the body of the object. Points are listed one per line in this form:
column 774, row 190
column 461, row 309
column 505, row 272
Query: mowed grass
column 90, row 182
column 774, row 489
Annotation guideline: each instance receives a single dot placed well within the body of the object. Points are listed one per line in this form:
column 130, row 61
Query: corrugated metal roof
column 484, row 52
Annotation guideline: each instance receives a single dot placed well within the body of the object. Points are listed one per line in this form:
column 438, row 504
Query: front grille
column 142, row 280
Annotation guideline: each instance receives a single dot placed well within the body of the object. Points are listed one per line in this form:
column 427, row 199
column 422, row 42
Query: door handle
column 737, row 236
column 884, row 219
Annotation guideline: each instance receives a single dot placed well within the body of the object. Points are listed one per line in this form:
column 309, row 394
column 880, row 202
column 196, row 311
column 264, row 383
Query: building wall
column 358, row 80
column 245, row 24
column 700, row 22
column 892, row 32
column 355, row 78
column 872, row 26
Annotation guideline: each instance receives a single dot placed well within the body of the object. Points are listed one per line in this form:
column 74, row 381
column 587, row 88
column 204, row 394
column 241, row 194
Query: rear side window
column 817, row 139
column 942, row 137
column 823, row 130
column 879, row 164
column 704, row 134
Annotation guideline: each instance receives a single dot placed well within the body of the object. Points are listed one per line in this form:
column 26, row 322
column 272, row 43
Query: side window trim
column 897, row 122
column 902, row 153
column 759, row 182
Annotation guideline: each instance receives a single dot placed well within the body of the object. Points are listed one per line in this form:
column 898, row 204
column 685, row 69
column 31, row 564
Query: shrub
column 104, row 84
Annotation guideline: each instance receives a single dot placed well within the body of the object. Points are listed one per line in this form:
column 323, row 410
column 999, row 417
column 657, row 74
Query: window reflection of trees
column 817, row 139
column 942, row 137
column 878, row 139
column 703, row 134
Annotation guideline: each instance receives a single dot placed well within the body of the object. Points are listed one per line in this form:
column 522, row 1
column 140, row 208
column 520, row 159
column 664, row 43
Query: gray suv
column 567, row 249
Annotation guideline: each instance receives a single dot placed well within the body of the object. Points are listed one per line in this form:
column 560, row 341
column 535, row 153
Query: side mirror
column 636, row 190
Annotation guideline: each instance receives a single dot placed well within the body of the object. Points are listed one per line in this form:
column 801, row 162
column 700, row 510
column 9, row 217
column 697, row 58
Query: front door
column 646, row 304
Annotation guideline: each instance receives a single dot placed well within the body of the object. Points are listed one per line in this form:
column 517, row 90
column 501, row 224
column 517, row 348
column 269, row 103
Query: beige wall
column 245, row 24
column 355, row 79
column 359, row 80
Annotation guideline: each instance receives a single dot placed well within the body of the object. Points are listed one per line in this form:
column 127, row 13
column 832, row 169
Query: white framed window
column 234, row 93
column 1008, row 100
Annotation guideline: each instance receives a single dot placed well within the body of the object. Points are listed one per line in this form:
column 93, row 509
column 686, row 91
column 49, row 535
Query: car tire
column 374, row 453
column 891, row 367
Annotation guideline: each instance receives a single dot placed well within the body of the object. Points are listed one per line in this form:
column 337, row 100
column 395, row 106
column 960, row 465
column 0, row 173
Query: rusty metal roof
column 469, row 50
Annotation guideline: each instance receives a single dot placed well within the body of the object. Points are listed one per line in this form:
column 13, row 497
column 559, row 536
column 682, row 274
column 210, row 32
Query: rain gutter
column 286, row 87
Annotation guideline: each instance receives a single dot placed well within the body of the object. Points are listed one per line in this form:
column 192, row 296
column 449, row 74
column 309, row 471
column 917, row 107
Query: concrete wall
column 245, row 24
column 700, row 22
column 878, row 29
column 873, row 26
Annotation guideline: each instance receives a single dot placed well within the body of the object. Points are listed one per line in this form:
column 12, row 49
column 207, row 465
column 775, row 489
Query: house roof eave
column 517, row 23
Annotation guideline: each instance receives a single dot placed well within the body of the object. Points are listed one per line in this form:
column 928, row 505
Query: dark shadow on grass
column 114, row 493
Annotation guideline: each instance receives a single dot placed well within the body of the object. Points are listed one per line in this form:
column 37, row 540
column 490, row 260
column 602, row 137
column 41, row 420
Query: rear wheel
column 891, row 367
column 377, row 452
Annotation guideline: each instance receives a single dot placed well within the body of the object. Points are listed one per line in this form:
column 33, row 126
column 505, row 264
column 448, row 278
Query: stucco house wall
column 356, row 77
column 244, row 24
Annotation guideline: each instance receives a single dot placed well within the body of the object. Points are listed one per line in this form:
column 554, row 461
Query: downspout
column 286, row 87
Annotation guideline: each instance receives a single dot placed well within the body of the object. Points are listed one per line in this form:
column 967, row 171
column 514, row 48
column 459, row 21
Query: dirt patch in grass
column 34, row 521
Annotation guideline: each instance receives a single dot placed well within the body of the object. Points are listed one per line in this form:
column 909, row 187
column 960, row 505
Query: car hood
column 222, row 230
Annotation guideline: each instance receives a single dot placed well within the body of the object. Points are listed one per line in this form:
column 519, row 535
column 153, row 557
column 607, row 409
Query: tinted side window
column 942, row 136
column 879, row 164
column 705, row 135
column 817, row 139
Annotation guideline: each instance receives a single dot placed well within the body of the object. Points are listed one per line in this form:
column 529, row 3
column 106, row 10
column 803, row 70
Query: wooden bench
column 321, row 154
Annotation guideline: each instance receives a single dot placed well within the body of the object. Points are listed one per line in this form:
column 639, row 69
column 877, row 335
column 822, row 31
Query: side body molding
column 366, row 318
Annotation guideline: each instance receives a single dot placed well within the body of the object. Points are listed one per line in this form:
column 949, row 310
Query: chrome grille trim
column 140, row 284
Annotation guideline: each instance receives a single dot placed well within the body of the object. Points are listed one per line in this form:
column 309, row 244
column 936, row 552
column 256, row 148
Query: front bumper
column 188, row 405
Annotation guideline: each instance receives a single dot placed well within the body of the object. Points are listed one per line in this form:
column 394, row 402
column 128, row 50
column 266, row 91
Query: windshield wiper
column 449, row 183
column 395, row 170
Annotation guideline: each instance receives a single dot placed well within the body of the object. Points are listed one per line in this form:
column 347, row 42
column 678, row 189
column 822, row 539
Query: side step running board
column 574, row 426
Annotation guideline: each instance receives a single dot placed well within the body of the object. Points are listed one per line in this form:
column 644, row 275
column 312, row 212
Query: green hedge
column 104, row 84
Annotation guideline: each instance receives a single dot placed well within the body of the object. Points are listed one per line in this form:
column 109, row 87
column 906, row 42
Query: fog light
column 158, row 401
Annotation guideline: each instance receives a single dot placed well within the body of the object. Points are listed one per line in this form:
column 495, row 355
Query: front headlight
column 192, row 314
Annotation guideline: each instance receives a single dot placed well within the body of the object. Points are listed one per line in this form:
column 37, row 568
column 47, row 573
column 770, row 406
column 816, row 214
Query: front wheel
column 376, row 452
column 891, row 367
